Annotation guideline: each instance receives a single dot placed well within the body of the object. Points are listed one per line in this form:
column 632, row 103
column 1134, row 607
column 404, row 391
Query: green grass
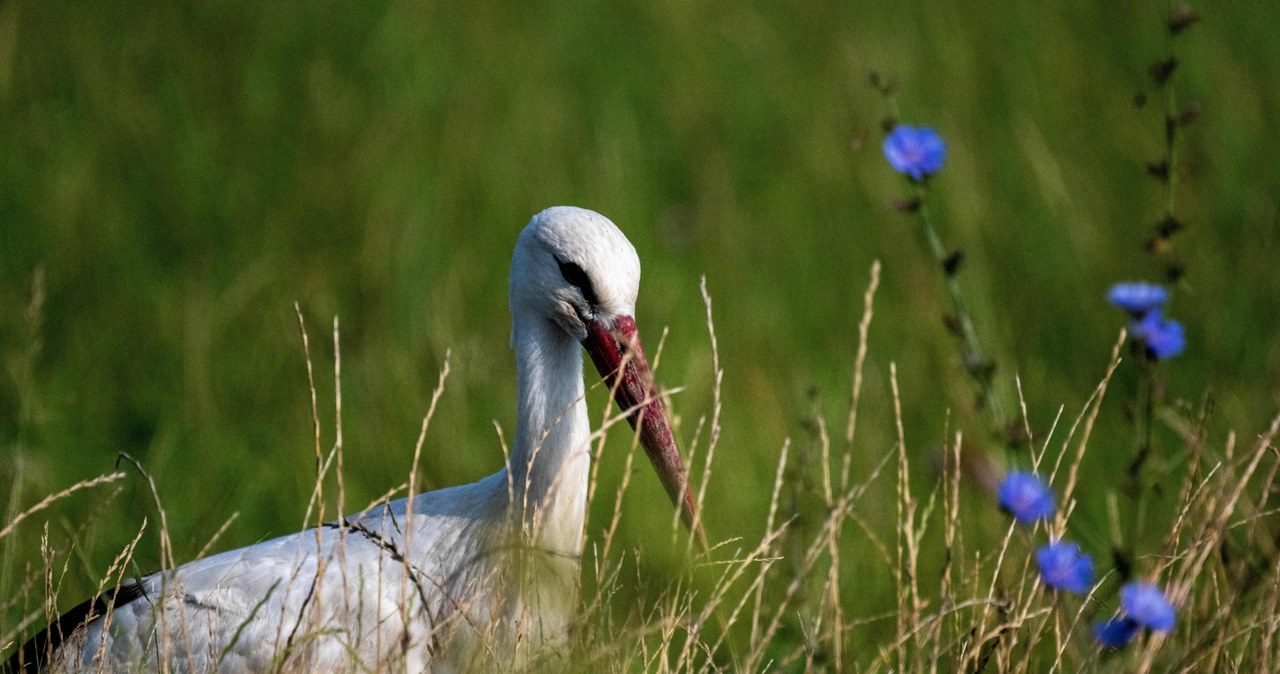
column 179, row 175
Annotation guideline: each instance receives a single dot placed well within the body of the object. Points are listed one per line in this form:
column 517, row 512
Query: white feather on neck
column 550, row 460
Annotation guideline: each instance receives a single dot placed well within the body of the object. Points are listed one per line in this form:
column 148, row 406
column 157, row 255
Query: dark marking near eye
column 579, row 279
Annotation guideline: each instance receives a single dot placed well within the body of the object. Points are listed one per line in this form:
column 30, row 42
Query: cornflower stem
column 1174, row 120
column 1143, row 423
column 1145, row 395
column 1171, row 124
column 1171, row 139
column 973, row 356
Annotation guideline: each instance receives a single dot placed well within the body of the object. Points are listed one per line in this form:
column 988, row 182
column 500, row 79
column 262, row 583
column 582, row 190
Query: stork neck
column 550, row 460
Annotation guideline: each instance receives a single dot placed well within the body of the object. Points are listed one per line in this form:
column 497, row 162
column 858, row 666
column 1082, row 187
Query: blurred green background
column 181, row 173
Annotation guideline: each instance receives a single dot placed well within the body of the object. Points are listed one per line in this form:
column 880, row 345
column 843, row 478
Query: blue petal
column 1146, row 604
column 1164, row 338
column 1116, row 632
column 1063, row 566
column 1026, row 497
column 917, row 152
column 1138, row 298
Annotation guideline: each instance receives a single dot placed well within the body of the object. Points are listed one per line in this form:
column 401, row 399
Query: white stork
column 472, row 577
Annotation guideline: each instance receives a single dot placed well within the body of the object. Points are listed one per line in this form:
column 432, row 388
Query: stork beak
column 618, row 356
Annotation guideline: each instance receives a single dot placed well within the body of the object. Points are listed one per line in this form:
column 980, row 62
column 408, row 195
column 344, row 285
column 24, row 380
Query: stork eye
column 578, row 279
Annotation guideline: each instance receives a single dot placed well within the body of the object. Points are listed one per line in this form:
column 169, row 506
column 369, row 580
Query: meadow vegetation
column 175, row 177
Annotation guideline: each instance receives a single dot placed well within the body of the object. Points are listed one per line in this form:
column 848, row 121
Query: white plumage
column 476, row 577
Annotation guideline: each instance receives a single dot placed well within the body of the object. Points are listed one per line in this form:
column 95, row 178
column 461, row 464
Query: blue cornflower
column 917, row 152
column 1138, row 298
column 1063, row 566
column 1146, row 604
column 1026, row 497
column 1116, row 632
column 1163, row 337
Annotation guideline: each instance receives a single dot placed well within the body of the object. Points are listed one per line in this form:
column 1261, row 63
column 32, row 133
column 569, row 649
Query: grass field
column 174, row 176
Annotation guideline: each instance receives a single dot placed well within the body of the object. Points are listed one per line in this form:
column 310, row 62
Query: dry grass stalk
column 990, row 611
column 58, row 496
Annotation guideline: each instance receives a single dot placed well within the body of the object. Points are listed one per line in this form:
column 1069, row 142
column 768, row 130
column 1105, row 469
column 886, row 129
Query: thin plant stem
column 973, row 356
column 1144, row 421
column 1171, row 125
column 1144, row 412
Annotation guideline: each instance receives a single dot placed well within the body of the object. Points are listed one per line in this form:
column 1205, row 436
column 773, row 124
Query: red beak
column 620, row 359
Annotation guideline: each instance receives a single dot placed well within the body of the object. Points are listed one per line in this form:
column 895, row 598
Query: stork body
column 473, row 577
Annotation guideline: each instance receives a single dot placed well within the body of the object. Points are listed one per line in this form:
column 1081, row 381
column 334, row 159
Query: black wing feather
column 33, row 656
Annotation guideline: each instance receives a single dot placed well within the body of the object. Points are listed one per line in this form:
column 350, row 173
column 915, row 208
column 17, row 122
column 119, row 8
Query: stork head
column 572, row 265
column 576, row 269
